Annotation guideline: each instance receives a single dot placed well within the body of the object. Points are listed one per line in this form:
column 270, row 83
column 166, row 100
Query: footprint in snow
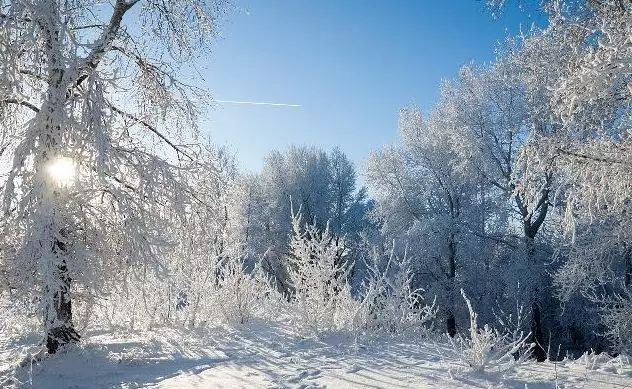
column 310, row 386
column 297, row 377
column 305, row 374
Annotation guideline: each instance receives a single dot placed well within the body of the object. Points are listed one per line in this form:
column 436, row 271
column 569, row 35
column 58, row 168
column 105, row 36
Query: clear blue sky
column 351, row 64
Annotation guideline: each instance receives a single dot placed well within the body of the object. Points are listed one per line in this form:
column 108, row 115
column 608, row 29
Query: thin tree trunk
column 451, row 324
column 57, row 300
column 536, row 331
column 628, row 267
column 450, row 320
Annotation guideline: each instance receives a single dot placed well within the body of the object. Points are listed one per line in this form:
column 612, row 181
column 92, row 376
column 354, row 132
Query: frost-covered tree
column 424, row 192
column 299, row 176
column 593, row 152
column 90, row 91
column 494, row 111
column 577, row 77
column 203, row 238
column 466, row 153
column 342, row 188
column 321, row 185
column 245, row 210
column 321, row 293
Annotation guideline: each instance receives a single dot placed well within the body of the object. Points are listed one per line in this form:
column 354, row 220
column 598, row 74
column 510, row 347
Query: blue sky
column 351, row 64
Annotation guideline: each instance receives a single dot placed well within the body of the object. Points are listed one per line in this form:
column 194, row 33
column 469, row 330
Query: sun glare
column 62, row 170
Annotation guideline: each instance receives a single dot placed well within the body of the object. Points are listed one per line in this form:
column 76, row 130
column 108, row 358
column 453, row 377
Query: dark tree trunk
column 531, row 227
column 536, row 332
column 60, row 328
column 450, row 320
column 628, row 267
column 537, row 336
column 451, row 324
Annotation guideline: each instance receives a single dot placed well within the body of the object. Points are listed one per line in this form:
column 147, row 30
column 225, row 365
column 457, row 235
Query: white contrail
column 258, row 103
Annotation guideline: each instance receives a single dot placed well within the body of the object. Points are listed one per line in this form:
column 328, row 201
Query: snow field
column 264, row 355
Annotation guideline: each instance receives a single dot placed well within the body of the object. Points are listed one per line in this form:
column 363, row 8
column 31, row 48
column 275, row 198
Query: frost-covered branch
column 26, row 104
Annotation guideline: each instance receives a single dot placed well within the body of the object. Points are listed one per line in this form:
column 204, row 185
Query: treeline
column 514, row 190
column 515, row 187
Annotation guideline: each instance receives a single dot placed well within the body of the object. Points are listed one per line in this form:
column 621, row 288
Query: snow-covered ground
column 261, row 355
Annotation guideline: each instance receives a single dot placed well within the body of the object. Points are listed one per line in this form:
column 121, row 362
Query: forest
column 498, row 223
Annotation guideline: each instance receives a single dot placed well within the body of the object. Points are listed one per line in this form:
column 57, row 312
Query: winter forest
column 490, row 245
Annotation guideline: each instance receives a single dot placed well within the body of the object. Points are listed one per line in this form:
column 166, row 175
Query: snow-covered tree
column 424, row 191
column 593, row 149
column 342, row 188
column 321, row 294
column 321, row 185
column 246, row 217
column 493, row 110
column 90, row 91
column 388, row 296
column 577, row 76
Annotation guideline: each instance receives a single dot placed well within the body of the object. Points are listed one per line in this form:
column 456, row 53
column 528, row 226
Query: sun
column 62, row 170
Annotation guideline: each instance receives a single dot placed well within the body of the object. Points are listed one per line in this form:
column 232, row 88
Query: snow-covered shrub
column 197, row 276
column 617, row 319
column 486, row 348
column 194, row 292
column 321, row 296
column 18, row 317
column 391, row 303
column 239, row 294
column 141, row 301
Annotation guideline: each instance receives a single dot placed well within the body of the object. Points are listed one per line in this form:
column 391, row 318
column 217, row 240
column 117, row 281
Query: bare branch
column 591, row 157
column 104, row 42
column 21, row 102
column 150, row 128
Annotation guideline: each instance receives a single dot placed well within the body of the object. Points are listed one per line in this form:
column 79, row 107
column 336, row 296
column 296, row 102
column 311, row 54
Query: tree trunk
column 59, row 327
column 530, row 229
column 628, row 267
column 450, row 320
column 57, row 300
column 58, row 303
column 537, row 336
column 451, row 324
column 536, row 332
